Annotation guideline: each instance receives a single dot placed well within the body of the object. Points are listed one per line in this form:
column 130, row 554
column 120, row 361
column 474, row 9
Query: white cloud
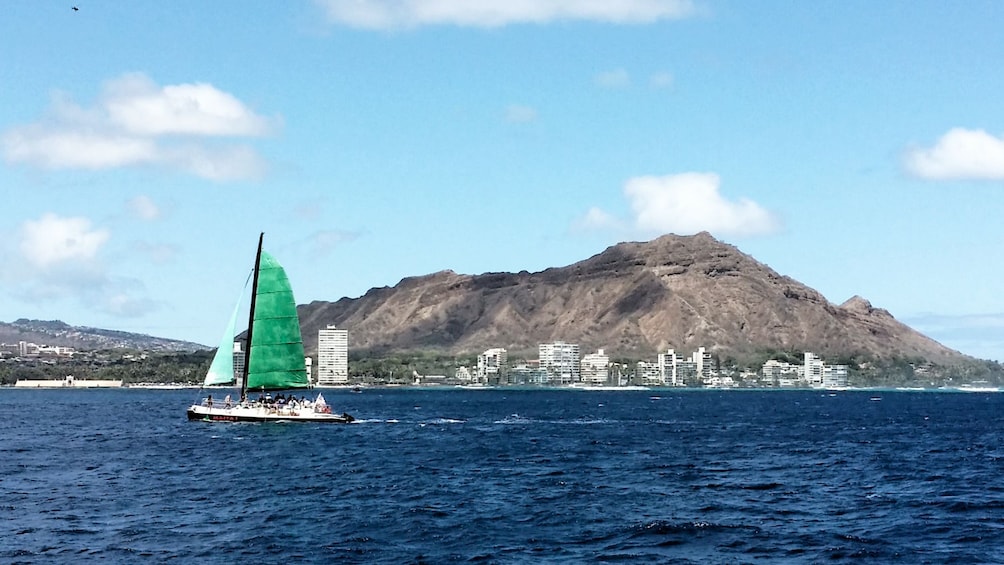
column 119, row 299
column 216, row 163
column 684, row 204
column 520, row 114
column 325, row 241
column 137, row 123
column 661, row 80
column 52, row 240
column 689, row 203
column 56, row 258
column 144, row 208
column 309, row 210
column 58, row 147
column 618, row 78
column 597, row 219
column 135, row 104
column 959, row 154
column 157, row 252
column 392, row 14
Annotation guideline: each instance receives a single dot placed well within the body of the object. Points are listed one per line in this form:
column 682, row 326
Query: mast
column 247, row 348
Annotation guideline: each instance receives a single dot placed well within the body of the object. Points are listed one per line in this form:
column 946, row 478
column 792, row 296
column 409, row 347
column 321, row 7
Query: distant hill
column 54, row 332
column 633, row 299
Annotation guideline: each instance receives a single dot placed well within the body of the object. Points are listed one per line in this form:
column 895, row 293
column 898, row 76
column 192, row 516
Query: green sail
column 277, row 360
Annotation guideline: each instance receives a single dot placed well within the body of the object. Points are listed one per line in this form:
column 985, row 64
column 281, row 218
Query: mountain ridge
column 632, row 299
column 59, row 333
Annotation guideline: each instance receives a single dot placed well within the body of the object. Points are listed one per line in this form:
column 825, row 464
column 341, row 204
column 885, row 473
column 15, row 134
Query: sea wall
column 68, row 382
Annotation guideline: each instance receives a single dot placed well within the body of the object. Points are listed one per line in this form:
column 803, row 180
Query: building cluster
column 26, row 349
column 561, row 364
column 811, row 373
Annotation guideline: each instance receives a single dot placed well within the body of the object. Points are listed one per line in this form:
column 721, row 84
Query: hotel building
column 332, row 356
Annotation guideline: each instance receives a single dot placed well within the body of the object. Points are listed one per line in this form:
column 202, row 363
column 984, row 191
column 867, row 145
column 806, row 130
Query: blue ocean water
column 507, row 476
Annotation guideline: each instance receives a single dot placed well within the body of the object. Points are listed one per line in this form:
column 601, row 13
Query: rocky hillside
column 54, row 332
column 633, row 299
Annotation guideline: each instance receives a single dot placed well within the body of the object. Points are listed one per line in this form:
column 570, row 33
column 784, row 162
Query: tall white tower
column 332, row 356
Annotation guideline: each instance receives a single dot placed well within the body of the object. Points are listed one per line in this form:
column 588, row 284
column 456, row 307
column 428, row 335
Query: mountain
column 59, row 333
column 633, row 300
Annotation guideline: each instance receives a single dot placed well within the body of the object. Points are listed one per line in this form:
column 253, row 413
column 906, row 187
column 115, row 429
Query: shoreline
column 356, row 389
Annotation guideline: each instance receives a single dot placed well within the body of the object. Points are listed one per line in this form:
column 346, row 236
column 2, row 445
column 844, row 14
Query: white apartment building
column 668, row 363
column 702, row 359
column 463, row 374
column 332, row 356
column 595, row 368
column 781, row 373
column 834, row 376
column 687, row 373
column 239, row 362
column 492, row 366
column 648, row 374
column 561, row 362
column 812, row 370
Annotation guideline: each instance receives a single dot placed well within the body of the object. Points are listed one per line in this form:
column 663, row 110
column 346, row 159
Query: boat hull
column 258, row 414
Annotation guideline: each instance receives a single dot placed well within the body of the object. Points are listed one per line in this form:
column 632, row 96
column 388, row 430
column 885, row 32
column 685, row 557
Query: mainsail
column 276, row 359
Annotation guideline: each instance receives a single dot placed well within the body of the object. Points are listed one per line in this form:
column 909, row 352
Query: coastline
column 356, row 389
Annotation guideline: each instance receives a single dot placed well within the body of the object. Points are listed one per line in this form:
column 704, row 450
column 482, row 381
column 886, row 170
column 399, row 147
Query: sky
column 855, row 146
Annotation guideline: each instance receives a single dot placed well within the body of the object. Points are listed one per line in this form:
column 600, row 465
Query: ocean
column 507, row 476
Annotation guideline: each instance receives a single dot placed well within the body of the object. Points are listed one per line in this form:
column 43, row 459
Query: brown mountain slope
column 633, row 299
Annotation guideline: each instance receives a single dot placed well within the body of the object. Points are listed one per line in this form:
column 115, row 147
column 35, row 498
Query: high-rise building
column 777, row 373
column 239, row 362
column 332, row 356
column 595, row 368
column 492, row 366
column 561, row 361
column 812, row 371
column 703, row 361
column 647, row 374
column 668, row 363
column 834, row 376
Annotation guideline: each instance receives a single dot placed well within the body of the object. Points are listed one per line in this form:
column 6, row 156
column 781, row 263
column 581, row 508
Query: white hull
column 263, row 414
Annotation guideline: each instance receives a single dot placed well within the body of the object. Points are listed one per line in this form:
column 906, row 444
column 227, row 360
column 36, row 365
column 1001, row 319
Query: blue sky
column 854, row 146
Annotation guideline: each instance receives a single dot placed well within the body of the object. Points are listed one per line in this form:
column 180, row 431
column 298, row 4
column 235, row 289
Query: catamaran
column 273, row 359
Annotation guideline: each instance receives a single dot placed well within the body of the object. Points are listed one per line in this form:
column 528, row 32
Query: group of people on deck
column 273, row 405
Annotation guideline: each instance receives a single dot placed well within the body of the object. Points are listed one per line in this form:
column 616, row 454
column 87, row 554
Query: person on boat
column 209, row 401
column 227, row 402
